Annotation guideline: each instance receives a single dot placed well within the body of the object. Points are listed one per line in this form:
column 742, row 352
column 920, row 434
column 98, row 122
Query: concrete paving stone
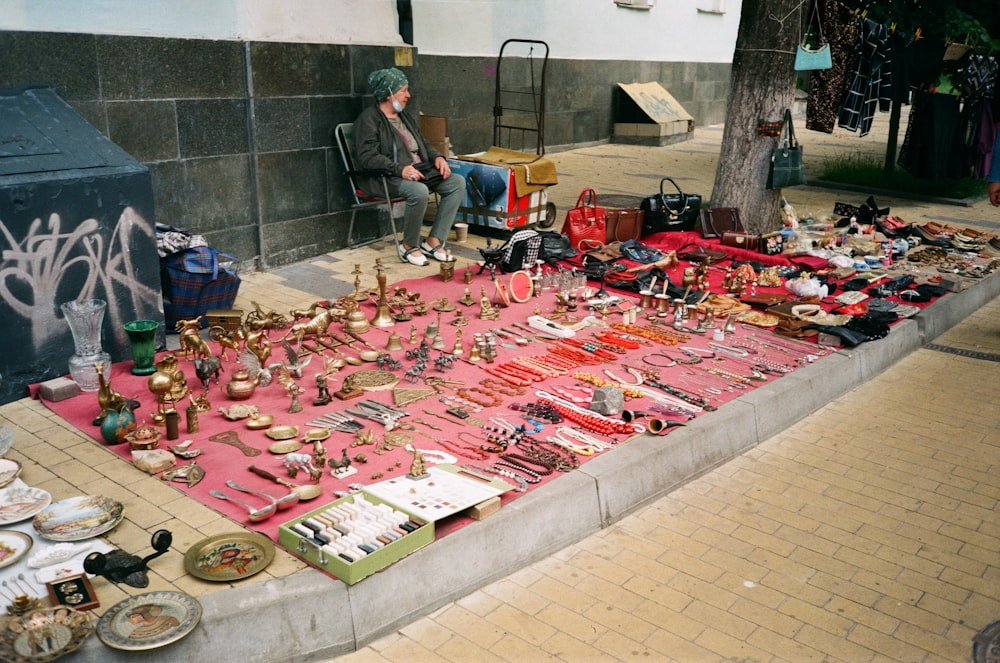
column 622, row 647
column 568, row 648
column 727, row 646
column 783, row 648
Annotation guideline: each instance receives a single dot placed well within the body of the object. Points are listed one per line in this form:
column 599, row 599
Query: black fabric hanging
column 871, row 81
column 828, row 86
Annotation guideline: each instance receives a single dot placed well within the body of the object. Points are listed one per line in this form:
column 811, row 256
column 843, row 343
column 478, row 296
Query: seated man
column 387, row 138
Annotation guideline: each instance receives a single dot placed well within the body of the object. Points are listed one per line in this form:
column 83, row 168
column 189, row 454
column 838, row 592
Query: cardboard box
column 435, row 131
column 352, row 572
column 490, row 198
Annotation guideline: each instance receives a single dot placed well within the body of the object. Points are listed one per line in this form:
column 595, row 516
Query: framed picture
column 74, row 591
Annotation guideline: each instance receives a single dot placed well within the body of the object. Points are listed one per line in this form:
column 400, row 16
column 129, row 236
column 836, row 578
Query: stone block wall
column 238, row 136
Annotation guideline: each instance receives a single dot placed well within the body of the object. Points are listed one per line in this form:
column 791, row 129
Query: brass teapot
column 241, row 386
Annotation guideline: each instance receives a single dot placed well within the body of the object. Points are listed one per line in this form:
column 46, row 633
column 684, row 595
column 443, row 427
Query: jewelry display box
column 442, row 492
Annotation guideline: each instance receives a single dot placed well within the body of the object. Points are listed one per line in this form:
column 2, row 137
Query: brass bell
column 438, row 343
column 458, row 350
column 395, row 343
column 474, row 353
column 413, row 335
column 356, row 322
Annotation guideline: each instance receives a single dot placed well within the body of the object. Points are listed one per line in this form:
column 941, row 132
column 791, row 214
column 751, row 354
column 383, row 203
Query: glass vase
column 85, row 319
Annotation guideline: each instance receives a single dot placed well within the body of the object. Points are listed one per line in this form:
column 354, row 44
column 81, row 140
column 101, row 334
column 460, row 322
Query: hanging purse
column 586, row 222
column 786, row 160
column 810, row 59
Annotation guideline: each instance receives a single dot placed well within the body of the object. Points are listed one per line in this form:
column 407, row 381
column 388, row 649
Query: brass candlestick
column 359, row 294
column 383, row 318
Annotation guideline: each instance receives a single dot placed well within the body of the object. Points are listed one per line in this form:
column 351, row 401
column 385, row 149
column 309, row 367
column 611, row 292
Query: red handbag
column 586, row 223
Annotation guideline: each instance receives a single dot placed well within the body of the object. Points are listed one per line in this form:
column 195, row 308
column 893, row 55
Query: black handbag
column 669, row 211
column 786, row 159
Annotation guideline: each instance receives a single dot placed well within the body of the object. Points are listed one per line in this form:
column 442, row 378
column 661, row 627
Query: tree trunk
column 762, row 86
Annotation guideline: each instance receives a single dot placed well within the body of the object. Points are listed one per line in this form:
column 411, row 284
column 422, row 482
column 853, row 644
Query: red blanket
column 222, row 462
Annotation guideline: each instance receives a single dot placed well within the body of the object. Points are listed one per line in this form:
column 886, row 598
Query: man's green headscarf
column 386, row 82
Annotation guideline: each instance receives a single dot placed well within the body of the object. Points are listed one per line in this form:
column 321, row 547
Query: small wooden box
column 74, row 591
column 229, row 319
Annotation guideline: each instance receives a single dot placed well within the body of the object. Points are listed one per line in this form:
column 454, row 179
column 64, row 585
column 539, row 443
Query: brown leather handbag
column 624, row 224
column 718, row 220
column 741, row 240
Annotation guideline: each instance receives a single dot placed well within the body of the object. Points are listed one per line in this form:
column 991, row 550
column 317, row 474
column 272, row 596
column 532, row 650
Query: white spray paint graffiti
column 35, row 266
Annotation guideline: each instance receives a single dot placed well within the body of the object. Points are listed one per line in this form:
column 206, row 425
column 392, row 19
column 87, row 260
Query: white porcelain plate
column 19, row 501
column 78, row 518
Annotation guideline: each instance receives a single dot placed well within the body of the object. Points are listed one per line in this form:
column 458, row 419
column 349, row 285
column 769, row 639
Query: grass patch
column 867, row 171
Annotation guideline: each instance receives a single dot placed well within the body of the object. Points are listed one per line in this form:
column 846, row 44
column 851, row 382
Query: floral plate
column 19, row 501
column 148, row 621
column 78, row 518
column 226, row 557
column 13, row 546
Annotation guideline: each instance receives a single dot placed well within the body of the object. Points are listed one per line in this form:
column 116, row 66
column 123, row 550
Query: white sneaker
column 413, row 256
column 437, row 252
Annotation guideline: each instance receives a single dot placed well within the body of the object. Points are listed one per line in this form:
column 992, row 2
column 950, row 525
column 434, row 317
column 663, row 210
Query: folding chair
column 363, row 200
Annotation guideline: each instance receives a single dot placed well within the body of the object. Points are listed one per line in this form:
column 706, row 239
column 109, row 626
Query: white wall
column 323, row 21
column 672, row 31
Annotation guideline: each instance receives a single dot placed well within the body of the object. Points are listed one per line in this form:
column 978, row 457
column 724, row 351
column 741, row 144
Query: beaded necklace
column 522, row 483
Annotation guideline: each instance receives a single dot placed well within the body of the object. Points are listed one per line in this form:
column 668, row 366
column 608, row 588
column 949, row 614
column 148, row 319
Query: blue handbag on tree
column 814, row 51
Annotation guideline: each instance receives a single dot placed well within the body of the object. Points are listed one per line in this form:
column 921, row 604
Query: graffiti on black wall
column 55, row 262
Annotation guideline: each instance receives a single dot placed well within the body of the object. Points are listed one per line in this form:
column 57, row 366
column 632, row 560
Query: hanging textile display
column 951, row 126
column 871, row 80
column 827, row 86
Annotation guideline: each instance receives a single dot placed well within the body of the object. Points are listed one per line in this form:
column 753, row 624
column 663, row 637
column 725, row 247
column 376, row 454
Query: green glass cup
column 142, row 338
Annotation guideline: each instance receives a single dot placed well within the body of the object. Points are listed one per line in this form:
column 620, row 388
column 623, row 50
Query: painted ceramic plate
column 227, row 557
column 13, row 546
column 44, row 634
column 78, row 518
column 148, row 621
column 9, row 470
column 19, row 501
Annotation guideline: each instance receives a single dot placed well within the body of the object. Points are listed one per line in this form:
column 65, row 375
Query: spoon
column 289, row 500
column 305, row 493
column 253, row 515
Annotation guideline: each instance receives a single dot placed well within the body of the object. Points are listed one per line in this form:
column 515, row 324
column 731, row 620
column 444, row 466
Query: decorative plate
column 316, row 434
column 285, row 447
column 78, row 518
column 19, row 501
column 282, row 432
column 521, row 286
column 147, row 621
column 44, row 635
column 13, row 546
column 231, row 556
column 9, row 470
